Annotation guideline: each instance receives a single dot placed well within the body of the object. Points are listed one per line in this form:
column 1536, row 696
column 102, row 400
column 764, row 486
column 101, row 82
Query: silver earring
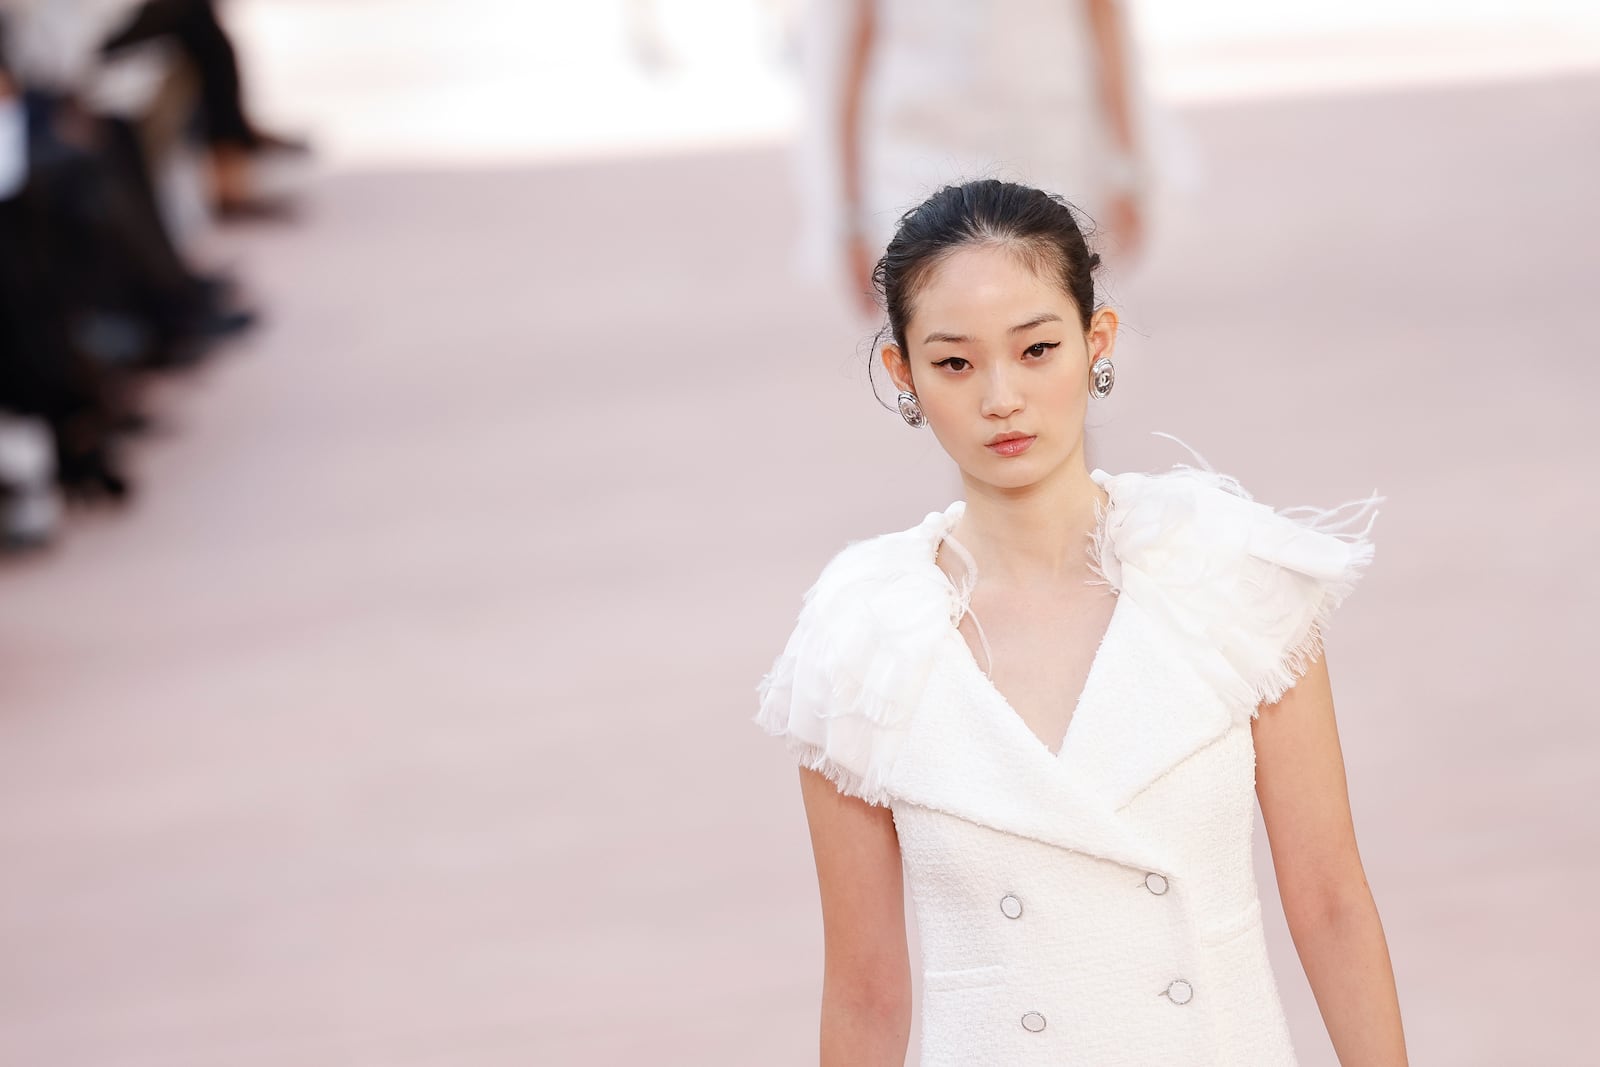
column 1102, row 376
column 911, row 411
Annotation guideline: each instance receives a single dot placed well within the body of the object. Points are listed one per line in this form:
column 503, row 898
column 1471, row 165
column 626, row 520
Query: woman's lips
column 1016, row 446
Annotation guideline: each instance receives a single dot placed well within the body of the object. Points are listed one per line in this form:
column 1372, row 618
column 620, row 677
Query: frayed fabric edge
column 1310, row 646
column 846, row 781
column 1338, row 522
column 773, row 718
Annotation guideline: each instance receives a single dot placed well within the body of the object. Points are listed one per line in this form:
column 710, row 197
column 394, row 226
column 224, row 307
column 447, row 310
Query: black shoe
column 255, row 209
column 217, row 323
column 92, row 476
column 265, row 143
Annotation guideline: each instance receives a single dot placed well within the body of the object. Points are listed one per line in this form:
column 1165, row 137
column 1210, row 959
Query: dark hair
column 1039, row 227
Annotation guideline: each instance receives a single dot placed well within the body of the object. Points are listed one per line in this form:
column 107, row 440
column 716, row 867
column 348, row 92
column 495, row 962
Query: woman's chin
column 1015, row 473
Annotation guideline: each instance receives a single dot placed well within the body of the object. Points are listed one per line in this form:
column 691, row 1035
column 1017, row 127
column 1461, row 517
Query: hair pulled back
column 1039, row 227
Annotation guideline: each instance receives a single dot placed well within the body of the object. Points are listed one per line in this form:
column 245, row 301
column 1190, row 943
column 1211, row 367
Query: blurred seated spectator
column 29, row 509
column 94, row 290
column 234, row 142
column 49, row 383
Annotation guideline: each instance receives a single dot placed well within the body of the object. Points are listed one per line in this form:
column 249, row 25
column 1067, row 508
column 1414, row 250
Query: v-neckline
column 970, row 662
column 1084, row 700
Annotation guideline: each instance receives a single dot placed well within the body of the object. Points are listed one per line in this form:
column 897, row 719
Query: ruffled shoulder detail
column 849, row 680
column 1250, row 588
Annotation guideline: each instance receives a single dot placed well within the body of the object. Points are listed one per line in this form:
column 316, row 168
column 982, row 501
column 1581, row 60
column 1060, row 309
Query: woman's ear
column 1102, row 335
column 898, row 367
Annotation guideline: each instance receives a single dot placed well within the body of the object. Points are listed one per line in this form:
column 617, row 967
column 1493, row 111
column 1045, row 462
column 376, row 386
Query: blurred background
column 418, row 422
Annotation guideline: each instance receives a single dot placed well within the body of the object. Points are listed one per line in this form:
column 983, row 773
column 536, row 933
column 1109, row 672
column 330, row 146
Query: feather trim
column 1314, row 549
column 848, row 682
column 1251, row 588
column 1246, row 591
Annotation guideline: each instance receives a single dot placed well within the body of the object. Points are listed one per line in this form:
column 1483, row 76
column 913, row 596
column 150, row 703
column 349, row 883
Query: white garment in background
column 1095, row 905
column 13, row 147
column 30, row 504
column 956, row 91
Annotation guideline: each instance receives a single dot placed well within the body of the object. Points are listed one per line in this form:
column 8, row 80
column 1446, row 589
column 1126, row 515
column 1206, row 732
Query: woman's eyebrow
column 961, row 339
column 1038, row 320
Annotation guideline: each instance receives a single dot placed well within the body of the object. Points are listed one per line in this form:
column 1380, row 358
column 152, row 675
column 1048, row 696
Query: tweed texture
column 1095, row 905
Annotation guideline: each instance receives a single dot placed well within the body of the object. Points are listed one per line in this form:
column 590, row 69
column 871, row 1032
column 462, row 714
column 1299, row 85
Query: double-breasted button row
column 1011, row 908
column 1011, row 904
column 1179, row 990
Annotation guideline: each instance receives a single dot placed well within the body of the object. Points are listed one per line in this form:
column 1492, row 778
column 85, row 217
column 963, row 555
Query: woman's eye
column 1042, row 347
column 949, row 362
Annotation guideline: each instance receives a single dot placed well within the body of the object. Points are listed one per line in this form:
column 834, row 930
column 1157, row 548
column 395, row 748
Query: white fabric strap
column 969, row 582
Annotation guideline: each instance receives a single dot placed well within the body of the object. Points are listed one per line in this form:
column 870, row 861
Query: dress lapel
column 1144, row 709
column 1149, row 710
column 972, row 758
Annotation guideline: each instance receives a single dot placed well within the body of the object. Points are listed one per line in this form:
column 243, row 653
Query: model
column 1068, row 787
column 903, row 95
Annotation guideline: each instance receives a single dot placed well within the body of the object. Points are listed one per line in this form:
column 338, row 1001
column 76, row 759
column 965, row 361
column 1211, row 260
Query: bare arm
column 1113, row 73
column 1110, row 45
column 1300, row 782
column 866, row 977
column 859, row 254
column 861, row 29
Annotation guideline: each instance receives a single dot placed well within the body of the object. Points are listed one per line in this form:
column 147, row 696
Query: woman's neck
column 1040, row 533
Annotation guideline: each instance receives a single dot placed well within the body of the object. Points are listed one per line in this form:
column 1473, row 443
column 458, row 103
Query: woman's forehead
column 985, row 283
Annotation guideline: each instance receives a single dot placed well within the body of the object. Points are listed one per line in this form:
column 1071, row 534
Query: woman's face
column 995, row 350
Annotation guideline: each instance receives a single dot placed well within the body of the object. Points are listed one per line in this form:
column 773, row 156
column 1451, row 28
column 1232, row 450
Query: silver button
column 1010, row 907
column 1033, row 1022
column 1179, row 992
column 1156, row 883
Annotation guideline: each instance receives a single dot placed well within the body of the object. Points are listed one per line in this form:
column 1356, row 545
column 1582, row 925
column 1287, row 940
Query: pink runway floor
column 404, row 719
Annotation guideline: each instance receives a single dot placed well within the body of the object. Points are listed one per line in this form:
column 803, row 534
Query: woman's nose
column 1001, row 395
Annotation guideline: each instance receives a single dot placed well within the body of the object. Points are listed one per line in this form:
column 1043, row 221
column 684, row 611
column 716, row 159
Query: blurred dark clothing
column 93, row 290
column 193, row 25
column 95, row 194
column 43, row 371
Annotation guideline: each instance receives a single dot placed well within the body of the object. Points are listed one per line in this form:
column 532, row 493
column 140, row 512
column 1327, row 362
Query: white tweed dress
column 1095, row 905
